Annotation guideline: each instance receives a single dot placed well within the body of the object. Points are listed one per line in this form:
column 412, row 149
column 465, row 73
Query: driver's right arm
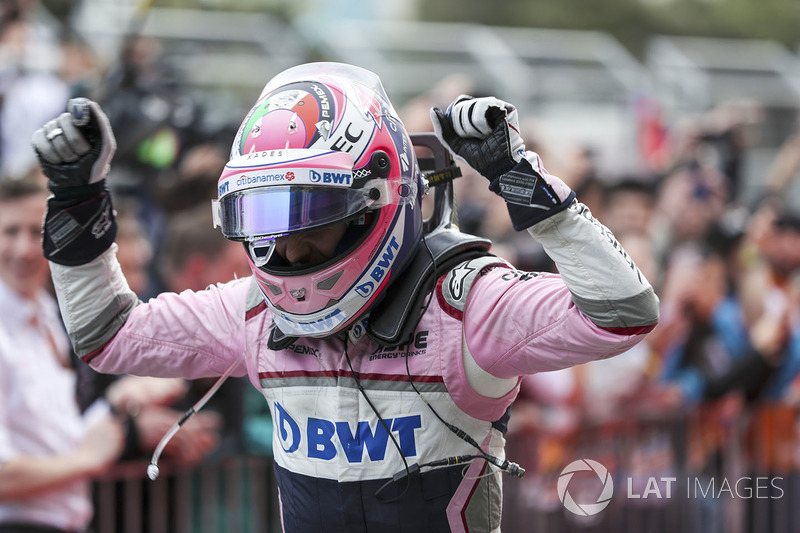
column 189, row 335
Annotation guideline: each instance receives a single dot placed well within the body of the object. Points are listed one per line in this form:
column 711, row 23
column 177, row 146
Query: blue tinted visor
column 278, row 210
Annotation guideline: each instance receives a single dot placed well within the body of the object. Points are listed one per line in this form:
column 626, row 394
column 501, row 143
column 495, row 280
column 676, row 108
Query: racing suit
column 486, row 326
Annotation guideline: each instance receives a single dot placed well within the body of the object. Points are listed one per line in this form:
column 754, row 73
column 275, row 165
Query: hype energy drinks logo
column 598, row 476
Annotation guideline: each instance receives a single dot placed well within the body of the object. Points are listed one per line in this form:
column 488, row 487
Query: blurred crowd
column 713, row 392
column 164, row 174
column 724, row 360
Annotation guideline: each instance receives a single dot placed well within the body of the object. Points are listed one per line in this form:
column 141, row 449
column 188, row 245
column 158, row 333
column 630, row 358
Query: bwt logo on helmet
column 342, row 178
column 321, row 436
column 379, row 272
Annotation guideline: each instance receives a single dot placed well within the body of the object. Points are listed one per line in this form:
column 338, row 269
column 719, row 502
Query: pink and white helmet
column 323, row 144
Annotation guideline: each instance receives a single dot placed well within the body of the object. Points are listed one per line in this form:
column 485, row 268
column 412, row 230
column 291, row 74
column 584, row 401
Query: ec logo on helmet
column 585, row 509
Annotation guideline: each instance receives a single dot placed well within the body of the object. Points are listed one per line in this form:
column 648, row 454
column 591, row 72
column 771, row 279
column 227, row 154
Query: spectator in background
column 690, row 198
column 580, row 170
column 48, row 451
column 708, row 330
column 718, row 139
column 415, row 114
column 771, row 289
column 748, row 309
column 766, row 374
column 195, row 256
column 30, row 86
column 195, row 180
column 784, row 167
column 627, row 206
column 157, row 121
column 135, row 249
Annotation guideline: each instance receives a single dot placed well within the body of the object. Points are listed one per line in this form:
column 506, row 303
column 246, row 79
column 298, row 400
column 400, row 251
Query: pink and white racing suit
column 487, row 325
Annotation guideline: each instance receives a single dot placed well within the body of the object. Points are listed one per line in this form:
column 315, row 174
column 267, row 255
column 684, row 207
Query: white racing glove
column 484, row 133
column 74, row 151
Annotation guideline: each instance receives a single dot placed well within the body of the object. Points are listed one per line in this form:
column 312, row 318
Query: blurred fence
column 712, row 470
column 716, row 469
column 237, row 495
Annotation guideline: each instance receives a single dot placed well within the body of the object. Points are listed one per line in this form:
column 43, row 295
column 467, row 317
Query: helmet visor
column 277, row 192
column 274, row 211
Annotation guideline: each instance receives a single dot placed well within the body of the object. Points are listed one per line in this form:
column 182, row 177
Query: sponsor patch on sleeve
column 456, row 285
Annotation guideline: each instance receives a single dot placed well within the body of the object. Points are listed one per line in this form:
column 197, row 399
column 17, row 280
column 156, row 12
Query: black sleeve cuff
column 79, row 229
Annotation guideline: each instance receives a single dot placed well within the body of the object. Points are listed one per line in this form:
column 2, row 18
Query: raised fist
column 75, row 149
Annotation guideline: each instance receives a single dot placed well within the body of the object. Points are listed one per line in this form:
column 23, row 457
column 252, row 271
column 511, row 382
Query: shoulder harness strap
column 394, row 319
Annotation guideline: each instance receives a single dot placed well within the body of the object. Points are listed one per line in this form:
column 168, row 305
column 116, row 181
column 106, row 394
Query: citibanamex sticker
column 582, row 508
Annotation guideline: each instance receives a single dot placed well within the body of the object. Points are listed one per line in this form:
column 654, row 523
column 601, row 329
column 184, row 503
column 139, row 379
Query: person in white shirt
column 48, row 451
